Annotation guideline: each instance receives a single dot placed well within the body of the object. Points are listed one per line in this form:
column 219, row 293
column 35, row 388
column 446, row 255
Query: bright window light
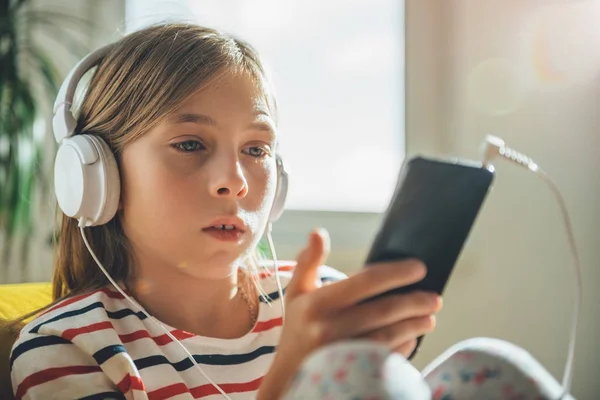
column 338, row 69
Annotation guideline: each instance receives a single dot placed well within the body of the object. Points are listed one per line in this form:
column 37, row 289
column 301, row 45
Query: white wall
column 515, row 279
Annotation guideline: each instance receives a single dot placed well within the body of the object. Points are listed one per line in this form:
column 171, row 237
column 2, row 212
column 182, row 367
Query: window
column 338, row 69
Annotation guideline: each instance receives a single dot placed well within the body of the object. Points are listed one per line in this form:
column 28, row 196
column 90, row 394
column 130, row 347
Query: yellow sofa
column 17, row 300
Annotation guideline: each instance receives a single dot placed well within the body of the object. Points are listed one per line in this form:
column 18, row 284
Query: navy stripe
column 233, row 359
column 151, row 361
column 125, row 313
column 104, row 354
column 104, row 396
column 34, row 344
column 271, row 296
column 67, row 315
column 111, row 314
column 209, row 359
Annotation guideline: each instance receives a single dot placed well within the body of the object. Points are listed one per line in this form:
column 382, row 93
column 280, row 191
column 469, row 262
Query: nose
column 228, row 180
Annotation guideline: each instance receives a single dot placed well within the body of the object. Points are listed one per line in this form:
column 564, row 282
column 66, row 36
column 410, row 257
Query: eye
column 189, row 146
column 256, row 151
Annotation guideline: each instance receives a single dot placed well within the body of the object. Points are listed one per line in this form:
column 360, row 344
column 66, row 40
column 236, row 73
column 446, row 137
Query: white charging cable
column 495, row 146
column 82, row 224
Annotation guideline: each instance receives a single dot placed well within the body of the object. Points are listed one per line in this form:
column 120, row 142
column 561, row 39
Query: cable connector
column 494, row 146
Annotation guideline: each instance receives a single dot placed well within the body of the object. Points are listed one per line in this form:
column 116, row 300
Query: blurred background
column 361, row 85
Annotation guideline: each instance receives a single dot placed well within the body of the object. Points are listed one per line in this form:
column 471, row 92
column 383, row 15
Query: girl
column 191, row 119
column 188, row 117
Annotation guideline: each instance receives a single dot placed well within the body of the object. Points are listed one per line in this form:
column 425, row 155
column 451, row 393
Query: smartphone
column 429, row 217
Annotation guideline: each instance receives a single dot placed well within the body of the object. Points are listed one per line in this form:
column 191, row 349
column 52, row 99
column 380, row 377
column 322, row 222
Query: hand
column 316, row 316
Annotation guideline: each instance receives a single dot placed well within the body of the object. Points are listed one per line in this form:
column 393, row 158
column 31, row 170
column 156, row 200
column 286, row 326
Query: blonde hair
column 146, row 75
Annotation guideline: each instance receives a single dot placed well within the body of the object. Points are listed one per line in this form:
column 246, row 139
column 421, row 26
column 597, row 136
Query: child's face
column 213, row 158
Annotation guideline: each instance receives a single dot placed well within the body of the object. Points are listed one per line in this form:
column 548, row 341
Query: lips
column 226, row 224
column 226, row 230
column 223, row 227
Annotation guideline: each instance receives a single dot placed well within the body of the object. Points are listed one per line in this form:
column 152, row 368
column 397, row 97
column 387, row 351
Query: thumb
column 310, row 258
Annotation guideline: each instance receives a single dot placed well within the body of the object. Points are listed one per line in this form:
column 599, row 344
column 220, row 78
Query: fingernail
column 437, row 301
column 420, row 267
column 320, row 231
column 324, row 234
column 326, row 239
column 432, row 321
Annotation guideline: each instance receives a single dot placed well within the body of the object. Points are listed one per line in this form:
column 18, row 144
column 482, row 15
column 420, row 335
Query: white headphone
column 86, row 176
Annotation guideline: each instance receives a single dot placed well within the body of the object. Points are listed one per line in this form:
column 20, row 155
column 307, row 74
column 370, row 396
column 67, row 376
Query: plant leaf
column 70, row 42
column 20, row 123
column 47, row 70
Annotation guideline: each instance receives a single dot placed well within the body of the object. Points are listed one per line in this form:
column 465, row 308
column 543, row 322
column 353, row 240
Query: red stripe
column 281, row 268
column 159, row 340
column 51, row 374
column 266, row 325
column 204, row 390
column 179, row 335
column 131, row 383
column 207, row 390
column 168, row 391
column 70, row 334
column 132, row 337
column 110, row 293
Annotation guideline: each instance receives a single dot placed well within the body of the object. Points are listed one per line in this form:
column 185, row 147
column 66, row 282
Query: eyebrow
column 194, row 118
column 206, row 120
column 262, row 126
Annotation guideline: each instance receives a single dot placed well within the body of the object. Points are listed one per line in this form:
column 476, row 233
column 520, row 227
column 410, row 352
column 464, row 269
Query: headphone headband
column 63, row 121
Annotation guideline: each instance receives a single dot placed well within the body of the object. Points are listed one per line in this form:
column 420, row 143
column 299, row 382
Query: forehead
column 230, row 92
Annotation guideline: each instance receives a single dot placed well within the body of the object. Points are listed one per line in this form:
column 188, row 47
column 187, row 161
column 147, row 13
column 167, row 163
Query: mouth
column 227, row 229
column 227, row 224
column 222, row 227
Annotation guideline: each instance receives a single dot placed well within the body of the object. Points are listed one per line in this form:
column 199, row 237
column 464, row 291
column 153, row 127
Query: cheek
column 263, row 188
column 150, row 191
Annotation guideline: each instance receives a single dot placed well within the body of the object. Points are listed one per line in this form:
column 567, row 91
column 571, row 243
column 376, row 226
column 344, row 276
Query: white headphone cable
column 82, row 224
column 495, row 146
column 277, row 277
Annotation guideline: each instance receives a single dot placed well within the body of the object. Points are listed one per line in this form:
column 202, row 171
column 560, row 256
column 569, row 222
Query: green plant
column 29, row 82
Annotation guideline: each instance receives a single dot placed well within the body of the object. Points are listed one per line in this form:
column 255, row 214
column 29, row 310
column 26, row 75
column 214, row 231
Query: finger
column 371, row 281
column 308, row 262
column 384, row 311
column 401, row 332
column 407, row 348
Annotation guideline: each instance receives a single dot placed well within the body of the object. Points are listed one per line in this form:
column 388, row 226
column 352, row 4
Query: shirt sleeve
column 45, row 364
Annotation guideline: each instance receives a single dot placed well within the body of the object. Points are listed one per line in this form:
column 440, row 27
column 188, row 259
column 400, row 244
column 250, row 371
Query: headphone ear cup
column 112, row 184
column 280, row 192
column 86, row 180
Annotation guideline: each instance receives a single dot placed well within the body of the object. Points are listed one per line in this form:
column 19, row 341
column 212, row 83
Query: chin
column 213, row 270
column 218, row 264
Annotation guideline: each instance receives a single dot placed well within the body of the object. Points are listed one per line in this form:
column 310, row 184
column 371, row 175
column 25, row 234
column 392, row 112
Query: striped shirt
column 95, row 346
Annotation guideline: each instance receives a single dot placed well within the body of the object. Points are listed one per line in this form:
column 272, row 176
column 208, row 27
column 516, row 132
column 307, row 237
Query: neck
column 205, row 307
